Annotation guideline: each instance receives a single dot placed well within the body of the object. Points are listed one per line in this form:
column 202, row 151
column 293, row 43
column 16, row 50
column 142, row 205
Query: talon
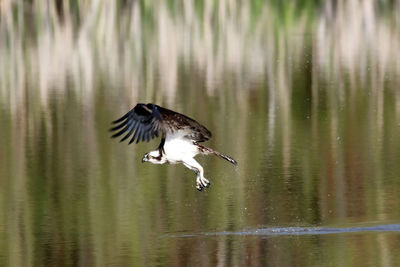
column 199, row 186
column 205, row 182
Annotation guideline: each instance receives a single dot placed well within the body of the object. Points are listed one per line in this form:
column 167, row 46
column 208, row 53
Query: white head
column 155, row 157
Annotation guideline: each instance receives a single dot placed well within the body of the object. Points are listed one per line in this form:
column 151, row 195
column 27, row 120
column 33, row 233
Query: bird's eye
column 149, row 156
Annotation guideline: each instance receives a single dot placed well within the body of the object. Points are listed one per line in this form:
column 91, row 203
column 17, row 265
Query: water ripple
column 285, row 231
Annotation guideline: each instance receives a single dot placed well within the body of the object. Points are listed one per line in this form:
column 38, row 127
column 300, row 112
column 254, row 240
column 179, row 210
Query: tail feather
column 206, row 150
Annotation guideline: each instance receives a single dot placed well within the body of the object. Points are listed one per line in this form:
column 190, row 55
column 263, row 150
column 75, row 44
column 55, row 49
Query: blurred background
column 305, row 95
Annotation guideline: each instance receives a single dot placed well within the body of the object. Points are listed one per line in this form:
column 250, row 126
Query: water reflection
column 286, row 251
column 305, row 97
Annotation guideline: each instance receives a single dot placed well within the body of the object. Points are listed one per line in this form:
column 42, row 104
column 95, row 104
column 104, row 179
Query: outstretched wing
column 146, row 121
column 174, row 121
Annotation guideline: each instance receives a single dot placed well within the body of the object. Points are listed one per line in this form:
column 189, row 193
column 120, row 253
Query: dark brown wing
column 143, row 121
column 175, row 121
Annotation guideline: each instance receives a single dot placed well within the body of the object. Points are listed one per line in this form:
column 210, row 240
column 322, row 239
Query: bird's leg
column 201, row 181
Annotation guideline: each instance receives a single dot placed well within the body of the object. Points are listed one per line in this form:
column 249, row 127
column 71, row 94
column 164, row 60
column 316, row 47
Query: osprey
column 180, row 137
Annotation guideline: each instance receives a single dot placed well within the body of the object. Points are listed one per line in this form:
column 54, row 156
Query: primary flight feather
column 180, row 137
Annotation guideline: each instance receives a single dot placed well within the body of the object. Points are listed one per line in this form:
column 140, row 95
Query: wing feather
column 121, row 119
column 141, row 121
column 141, row 131
column 121, row 131
column 146, row 121
column 175, row 121
column 128, row 135
column 134, row 137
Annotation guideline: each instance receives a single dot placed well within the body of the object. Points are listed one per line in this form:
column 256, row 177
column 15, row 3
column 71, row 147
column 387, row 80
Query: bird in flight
column 180, row 137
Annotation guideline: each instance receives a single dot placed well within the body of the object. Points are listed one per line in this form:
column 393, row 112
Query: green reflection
column 303, row 94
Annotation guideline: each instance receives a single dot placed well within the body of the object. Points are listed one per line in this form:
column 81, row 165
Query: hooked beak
column 144, row 159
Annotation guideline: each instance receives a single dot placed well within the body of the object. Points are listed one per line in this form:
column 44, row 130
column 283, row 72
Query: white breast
column 177, row 147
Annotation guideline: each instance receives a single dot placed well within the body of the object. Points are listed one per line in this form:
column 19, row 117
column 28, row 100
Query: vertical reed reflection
column 305, row 96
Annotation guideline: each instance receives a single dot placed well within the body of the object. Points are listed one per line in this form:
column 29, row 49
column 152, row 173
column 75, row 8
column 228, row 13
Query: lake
column 305, row 95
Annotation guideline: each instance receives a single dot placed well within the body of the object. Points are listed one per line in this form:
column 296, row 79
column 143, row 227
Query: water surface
column 304, row 96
